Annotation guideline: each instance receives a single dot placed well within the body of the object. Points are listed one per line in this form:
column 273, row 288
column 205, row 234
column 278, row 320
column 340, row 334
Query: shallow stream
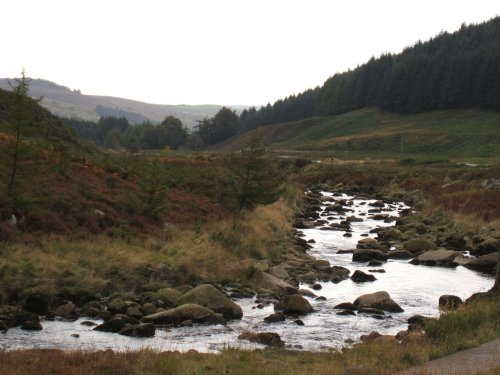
column 415, row 288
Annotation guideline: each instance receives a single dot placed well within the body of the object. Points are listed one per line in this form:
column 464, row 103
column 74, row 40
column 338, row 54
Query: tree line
column 450, row 71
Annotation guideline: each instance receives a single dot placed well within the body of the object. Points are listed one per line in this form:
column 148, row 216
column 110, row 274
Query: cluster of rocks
column 373, row 304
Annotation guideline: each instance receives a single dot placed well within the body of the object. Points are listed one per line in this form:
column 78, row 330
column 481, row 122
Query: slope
column 371, row 132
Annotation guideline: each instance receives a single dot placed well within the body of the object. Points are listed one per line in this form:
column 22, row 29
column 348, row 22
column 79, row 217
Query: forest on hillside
column 450, row 71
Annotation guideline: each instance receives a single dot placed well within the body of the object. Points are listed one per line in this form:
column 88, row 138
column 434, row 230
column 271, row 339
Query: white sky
column 213, row 51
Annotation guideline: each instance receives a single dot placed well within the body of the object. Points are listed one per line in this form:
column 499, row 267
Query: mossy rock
column 417, row 245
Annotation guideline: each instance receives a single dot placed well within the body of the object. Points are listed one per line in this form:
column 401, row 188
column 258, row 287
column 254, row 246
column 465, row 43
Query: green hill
column 370, row 132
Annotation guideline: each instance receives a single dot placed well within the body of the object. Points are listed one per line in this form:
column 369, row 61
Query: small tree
column 19, row 122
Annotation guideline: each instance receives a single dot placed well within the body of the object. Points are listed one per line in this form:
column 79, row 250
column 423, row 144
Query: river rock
column 276, row 317
column 485, row 263
column 190, row 311
column 169, row 296
column 265, row 338
column 296, row 304
column 139, row 330
column 378, row 300
column 116, row 323
column 359, row 277
column 212, row 298
column 441, row 257
column 370, row 243
column 487, row 246
column 418, row 245
column 118, row 306
column 345, row 306
column 365, row 255
column 134, row 312
column 65, row 311
column 449, row 302
column 32, row 325
column 263, row 280
column 307, row 293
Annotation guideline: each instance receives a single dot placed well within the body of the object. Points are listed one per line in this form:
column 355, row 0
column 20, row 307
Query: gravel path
column 471, row 361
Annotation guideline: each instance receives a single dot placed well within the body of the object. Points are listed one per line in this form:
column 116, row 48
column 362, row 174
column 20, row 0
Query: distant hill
column 370, row 132
column 65, row 102
column 450, row 71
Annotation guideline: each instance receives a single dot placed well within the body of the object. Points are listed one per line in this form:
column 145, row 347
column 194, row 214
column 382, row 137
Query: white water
column 415, row 288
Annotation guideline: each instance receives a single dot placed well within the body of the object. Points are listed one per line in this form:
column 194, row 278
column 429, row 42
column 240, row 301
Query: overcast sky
column 213, row 51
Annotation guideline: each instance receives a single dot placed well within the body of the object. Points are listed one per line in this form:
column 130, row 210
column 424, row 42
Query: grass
column 456, row 134
column 472, row 325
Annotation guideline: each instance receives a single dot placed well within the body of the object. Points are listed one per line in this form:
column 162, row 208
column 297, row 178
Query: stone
column 169, row 296
column 487, row 246
column 65, row 311
column 212, row 298
column 345, row 306
column 346, row 312
column 134, row 312
column 375, row 263
column 139, row 330
column 307, row 293
column 399, row 254
column 263, row 280
column 359, row 277
column 116, row 324
column 276, row 317
column 299, row 322
column 32, row 325
column 449, row 302
column 485, row 263
column 418, row 245
column 296, row 304
column 439, row 257
column 378, row 300
column 265, row 338
column 148, row 308
column 366, row 255
column 190, row 311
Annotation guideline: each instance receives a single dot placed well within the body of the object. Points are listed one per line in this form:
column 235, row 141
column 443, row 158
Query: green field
column 452, row 134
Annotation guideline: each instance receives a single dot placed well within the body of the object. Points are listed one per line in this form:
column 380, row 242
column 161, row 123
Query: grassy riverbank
column 471, row 325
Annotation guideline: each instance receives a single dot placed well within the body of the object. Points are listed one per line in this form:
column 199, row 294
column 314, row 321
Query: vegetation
column 451, row 71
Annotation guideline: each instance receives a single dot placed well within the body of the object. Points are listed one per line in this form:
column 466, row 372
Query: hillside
column 460, row 70
column 371, row 132
column 65, row 102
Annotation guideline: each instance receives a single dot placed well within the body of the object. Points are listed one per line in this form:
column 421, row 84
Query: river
column 415, row 288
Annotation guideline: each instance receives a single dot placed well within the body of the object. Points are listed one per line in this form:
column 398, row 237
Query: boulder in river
column 139, row 330
column 263, row 280
column 441, row 257
column 66, row 310
column 276, row 317
column 365, row 255
column 190, row 311
column 378, row 300
column 296, row 304
column 116, row 323
column 359, row 277
column 418, row 245
column 485, row 263
column 212, row 298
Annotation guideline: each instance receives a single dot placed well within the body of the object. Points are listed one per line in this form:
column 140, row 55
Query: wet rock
column 359, row 277
column 116, row 324
column 377, row 271
column 345, row 306
column 276, row 317
column 320, row 298
column 366, row 255
column 309, row 277
column 418, row 245
column 439, row 257
column 485, row 263
column 347, row 234
column 134, row 312
column 265, row 338
column 346, row 312
column 486, row 246
column 449, row 302
column 263, row 280
column 148, row 308
column 212, row 298
column 3, row 326
column 370, row 311
column 375, row 263
column 399, row 254
column 299, row 322
column 88, row 323
column 307, row 293
column 296, row 304
column 345, row 251
column 65, row 311
column 378, row 300
column 186, row 323
column 32, row 325
column 196, row 313
column 139, row 330
column 118, row 306
column 417, row 322
column 371, row 244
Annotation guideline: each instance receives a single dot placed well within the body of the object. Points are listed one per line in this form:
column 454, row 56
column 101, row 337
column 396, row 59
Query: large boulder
column 378, row 300
column 441, row 257
column 365, row 255
column 66, row 310
column 116, row 324
column 485, row 263
column 190, row 311
column 417, row 245
column 265, row 338
column 296, row 304
column 360, row 277
column 265, row 281
column 212, row 298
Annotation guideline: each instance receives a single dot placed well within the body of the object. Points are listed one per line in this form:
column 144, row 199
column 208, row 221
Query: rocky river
column 341, row 224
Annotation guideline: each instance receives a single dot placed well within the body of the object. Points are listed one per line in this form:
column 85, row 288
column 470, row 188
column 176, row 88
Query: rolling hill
column 64, row 102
